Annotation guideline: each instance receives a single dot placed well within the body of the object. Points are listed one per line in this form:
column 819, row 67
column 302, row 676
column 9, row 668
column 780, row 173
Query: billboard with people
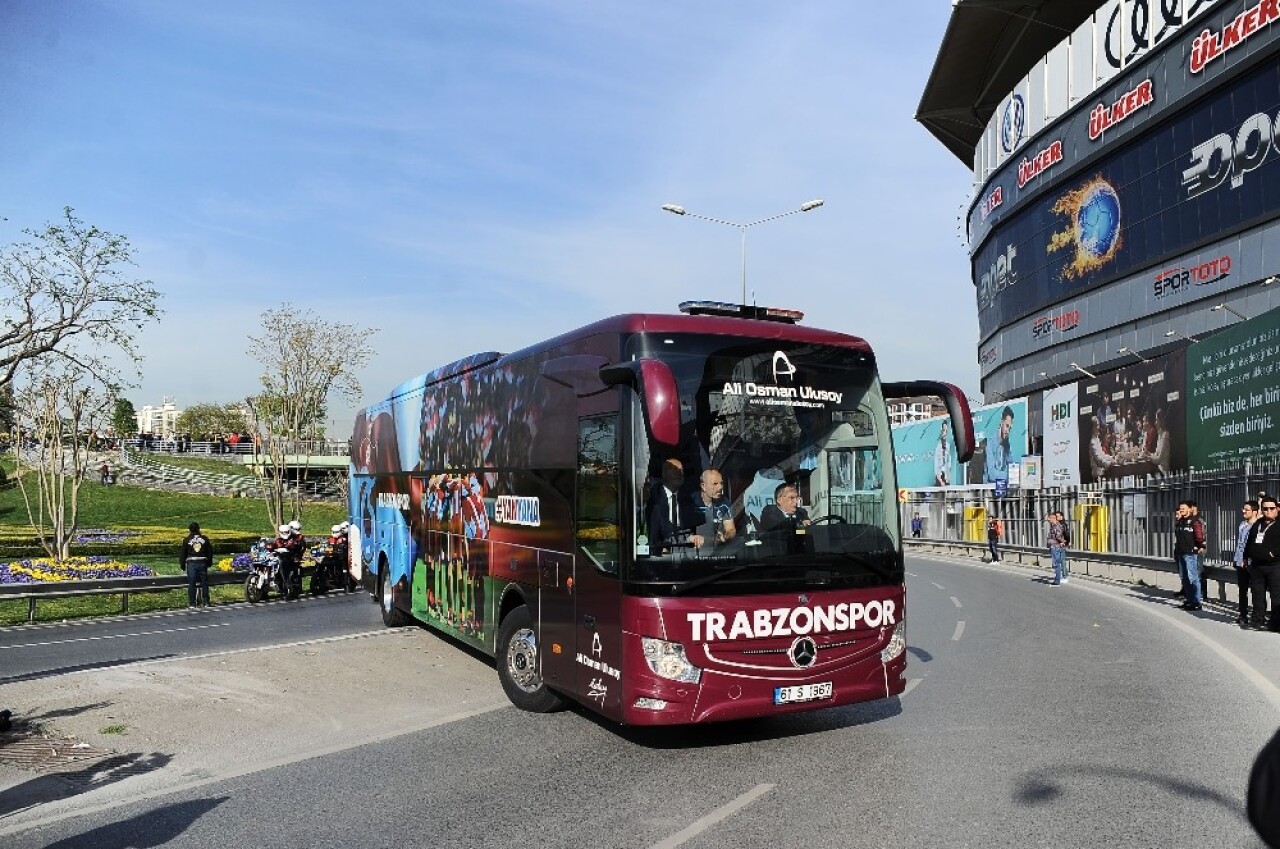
column 924, row 454
column 1001, row 433
column 1131, row 420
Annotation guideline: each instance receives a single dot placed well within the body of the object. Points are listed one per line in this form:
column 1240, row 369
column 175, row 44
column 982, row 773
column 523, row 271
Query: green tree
column 124, row 418
column 206, row 420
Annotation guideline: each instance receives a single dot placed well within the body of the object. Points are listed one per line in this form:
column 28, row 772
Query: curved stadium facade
column 1124, row 228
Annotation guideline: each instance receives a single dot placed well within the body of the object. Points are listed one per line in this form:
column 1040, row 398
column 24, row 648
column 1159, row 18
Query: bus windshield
column 778, row 481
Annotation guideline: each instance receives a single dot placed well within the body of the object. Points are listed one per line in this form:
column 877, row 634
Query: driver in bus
column 673, row 517
column 785, row 519
column 717, row 516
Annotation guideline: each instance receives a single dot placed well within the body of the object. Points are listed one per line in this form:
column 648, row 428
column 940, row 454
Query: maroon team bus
column 665, row 518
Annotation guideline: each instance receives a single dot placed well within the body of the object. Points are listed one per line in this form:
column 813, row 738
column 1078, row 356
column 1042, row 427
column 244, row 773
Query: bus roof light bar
column 728, row 310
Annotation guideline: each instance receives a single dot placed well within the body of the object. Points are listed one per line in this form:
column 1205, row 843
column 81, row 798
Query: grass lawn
column 121, row 506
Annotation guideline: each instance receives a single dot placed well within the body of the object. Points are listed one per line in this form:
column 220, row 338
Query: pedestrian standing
column 1203, row 534
column 1057, row 549
column 1249, row 514
column 993, row 538
column 1262, row 548
column 1188, row 544
column 917, row 525
column 196, row 558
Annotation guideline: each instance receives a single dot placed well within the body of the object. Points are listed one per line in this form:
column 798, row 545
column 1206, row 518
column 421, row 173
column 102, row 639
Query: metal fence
column 1133, row 517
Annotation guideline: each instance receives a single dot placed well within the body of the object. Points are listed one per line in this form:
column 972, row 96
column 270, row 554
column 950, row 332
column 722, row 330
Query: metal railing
column 1133, row 518
column 124, row 587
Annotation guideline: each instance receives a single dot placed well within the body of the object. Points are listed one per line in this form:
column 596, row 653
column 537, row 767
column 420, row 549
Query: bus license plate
column 801, row 693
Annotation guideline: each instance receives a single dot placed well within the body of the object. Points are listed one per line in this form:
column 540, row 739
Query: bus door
column 597, row 589
column 558, row 639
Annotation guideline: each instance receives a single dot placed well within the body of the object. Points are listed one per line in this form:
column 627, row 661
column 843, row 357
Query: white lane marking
column 911, row 685
column 912, row 575
column 701, row 825
column 959, row 630
column 351, row 742
column 114, row 636
column 956, row 601
column 1270, row 691
column 936, row 584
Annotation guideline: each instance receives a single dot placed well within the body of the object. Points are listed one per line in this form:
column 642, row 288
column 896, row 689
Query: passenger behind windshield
column 717, row 515
column 673, row 517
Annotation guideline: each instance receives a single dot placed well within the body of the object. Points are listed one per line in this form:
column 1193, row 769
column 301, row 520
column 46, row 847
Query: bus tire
column 517, row 661
column 392, row 616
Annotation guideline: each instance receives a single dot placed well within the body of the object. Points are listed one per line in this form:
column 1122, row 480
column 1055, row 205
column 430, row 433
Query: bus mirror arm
column 657, row 387
column 957, row 408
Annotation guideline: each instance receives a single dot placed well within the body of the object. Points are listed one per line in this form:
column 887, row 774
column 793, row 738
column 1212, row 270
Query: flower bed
column 239, row 563
column 37, row 570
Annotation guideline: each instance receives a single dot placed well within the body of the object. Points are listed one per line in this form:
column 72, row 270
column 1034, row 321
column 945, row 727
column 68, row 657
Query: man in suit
column 673, row 517
column 785, row 519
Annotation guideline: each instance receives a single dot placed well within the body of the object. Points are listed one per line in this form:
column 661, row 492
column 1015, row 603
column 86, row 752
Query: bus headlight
column 667, row 660
column 897, row 643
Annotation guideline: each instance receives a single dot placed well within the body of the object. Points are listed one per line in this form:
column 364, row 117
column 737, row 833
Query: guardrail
column 1117, row 567
column 33, row 593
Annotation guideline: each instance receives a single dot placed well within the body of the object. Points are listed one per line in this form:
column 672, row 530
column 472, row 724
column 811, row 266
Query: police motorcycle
column 264, row 571
column 330, row 559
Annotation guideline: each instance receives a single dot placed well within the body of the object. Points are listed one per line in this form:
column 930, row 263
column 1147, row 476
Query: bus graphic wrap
column 668, row 519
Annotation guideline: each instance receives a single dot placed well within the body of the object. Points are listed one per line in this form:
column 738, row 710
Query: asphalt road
column 1036, row 716
column 41, row 651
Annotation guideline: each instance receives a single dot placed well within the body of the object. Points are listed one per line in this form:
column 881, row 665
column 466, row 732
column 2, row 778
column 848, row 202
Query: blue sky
column 479, row 176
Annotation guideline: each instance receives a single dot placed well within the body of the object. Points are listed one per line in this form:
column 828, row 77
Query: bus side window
column 596, row 522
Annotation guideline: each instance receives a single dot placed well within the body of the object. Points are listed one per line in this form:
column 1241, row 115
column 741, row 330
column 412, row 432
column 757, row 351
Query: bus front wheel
column 392, row 616
column 517, row 661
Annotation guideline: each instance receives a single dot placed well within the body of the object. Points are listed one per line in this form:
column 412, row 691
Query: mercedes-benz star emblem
column 804, row 651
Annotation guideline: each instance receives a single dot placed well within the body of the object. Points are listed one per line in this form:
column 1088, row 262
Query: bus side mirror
column 657, row 387
column 957, row 407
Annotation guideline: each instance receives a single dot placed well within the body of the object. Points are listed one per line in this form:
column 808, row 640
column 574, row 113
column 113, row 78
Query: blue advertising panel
column 1210, row 171
column 1001, row 434
column 925, row 454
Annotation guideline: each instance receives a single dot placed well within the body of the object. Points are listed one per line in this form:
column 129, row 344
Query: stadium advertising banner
column 925, row 454
column 1131, row 421
column 1151, row 63
column 1061, row 437
column 1234, row 385
column 1001, row 434
column 1199, row 177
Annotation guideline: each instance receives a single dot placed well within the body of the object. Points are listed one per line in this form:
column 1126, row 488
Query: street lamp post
column 1085, row 372
column 1125, row 349
column 1229, row 309
column 742, row 228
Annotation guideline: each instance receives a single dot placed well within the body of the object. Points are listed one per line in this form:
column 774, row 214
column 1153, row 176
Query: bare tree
column 67, row 284
column 60, row 407
column 306, row 360
column 70, row 316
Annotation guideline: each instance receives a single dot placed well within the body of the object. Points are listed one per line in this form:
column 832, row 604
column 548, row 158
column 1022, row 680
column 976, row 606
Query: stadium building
column 1124, row 225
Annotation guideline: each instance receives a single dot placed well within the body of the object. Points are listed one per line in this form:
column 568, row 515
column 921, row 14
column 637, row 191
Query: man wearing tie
column 672, row 513
column 785, row 518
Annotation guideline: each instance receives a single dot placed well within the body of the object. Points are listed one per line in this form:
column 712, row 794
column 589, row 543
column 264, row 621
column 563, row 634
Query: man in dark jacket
column 1188, row 546
column 196, row 558
column 1262, row 549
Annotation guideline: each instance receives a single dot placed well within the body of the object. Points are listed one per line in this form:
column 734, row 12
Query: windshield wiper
column 681, row 589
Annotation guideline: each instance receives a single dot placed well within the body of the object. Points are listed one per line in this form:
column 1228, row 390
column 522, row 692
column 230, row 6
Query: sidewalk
column 132, row 731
